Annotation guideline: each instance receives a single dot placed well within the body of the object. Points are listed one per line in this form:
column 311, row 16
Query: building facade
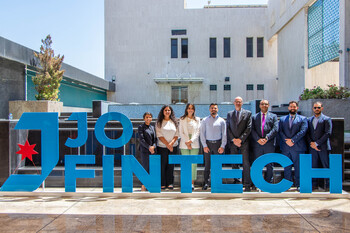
column 161, row 52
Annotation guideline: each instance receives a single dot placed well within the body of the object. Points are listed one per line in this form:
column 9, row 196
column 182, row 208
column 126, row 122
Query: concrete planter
column 17, row 107
column 332, row 107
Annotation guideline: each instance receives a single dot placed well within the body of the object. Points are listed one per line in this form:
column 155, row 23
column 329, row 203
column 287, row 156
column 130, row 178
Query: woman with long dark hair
column 167, row 133
column 189, row 134
column 148, row 141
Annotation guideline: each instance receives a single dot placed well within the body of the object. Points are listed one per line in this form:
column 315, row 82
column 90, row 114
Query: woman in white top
column 189, row 134
column 167, row 132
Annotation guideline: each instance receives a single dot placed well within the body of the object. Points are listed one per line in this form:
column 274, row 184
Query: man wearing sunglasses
column 319, row 131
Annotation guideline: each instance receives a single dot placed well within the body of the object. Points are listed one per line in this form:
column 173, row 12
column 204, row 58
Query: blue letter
column 100, row 130
column 48, row 124
column 334, row 173
column 108, row 173
column 217, row 174
column 81, row 118
column 258, row 179
column 186, row 162
column 71, row 174
column 151, row 181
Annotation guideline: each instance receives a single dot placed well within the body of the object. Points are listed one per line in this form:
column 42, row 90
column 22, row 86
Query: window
column 227, row 87
column 227, row 79
column 260, row 47
column 227, row 47
column 173, row 48
column 212, row 47
column 250, row 87
column 184, row 48
column 213, row 87
column 249, row 46
column 179, row 94
column 178, row 32
column 260, row 87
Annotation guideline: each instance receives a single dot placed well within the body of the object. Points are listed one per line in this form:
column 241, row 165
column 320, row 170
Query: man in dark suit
column 239, row 124
column 264, row 131
column 320, row 129
column 292, row 131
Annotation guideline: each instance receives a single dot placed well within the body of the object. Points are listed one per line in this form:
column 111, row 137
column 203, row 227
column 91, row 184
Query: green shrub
column 48, row 79
column 333, row 92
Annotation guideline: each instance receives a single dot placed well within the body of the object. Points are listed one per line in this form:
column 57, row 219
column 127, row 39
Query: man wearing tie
column 292, row 130
column 264, row 131
column 320, row 129
column 239, row 125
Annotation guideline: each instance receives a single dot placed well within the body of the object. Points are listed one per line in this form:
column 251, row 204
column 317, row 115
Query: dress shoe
column 247, row 189
column 205, row 187
column 171, row 187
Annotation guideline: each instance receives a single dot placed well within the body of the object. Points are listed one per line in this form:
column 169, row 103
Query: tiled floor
column 167, row 213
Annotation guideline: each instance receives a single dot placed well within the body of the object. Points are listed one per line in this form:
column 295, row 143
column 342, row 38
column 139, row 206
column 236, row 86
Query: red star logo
column 27, row 151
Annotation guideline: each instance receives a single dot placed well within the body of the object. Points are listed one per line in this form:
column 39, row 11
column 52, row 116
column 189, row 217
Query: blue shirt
column 213, row 129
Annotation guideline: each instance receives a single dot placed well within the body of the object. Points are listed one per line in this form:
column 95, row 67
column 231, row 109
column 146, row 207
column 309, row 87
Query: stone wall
column 12, row 84
column 332, row 107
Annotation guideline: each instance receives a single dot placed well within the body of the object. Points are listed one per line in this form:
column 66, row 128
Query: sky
column 76, row 27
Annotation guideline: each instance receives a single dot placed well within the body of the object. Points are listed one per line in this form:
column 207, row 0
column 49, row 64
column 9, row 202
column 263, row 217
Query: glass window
column 184, row 48
column 249, row 46
column 173, row 48
column 213, row 87
column 227, row 47
column 250, row 87
column 179, row 94
column 260, row 47
column 212, row 47
column 260, row 87
column 227, row 87
column 178, row 32
column 227, row 79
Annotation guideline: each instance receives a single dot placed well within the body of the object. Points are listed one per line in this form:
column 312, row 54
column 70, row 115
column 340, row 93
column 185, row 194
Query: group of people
column 240, row 133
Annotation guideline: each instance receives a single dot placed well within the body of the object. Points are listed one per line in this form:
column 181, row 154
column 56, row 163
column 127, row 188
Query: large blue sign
column 48, row 124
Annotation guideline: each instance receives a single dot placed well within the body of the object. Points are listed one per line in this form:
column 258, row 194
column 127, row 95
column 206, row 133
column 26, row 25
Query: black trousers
column 167, row 170
column 213, row 150
column 145, row 160
column 244, row 150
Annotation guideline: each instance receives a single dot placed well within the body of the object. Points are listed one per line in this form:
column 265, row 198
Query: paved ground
column 165, row 212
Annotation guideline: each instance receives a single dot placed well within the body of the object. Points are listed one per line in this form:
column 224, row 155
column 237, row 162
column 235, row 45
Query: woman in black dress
column 148, row 141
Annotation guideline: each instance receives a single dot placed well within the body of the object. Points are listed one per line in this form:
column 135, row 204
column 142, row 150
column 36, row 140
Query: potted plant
column 335, row 100
column 47, row 83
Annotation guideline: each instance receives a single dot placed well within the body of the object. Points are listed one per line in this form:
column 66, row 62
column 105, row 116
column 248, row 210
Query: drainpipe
column 25, row 83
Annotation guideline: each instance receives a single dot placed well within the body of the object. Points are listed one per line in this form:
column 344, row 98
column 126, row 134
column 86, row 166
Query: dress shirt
column 213, row 129
column 315, row 121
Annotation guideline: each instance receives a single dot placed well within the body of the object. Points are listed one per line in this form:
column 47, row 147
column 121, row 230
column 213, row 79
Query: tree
column 48, row 79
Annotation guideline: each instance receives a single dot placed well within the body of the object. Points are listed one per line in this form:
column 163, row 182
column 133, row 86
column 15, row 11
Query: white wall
column 137, row 50
column 291, row 49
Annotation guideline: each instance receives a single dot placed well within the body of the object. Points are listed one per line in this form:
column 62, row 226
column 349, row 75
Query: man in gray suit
column 264, row 132
column 239, row 124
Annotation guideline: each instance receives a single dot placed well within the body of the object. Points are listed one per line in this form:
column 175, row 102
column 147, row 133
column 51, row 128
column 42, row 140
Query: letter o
column 100, row 129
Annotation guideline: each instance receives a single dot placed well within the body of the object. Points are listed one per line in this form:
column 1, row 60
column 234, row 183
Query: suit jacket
column 183, row 132
column 147, row 137
column 270, row 129
column 296, row 133
column 240, row 130
column 321, row 134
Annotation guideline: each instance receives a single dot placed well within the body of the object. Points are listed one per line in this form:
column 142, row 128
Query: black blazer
column 321, row 134
column 270, row 129
column 147, row 137
column 242, row 130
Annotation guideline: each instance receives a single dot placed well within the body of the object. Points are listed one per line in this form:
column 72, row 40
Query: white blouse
column 168, row 130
